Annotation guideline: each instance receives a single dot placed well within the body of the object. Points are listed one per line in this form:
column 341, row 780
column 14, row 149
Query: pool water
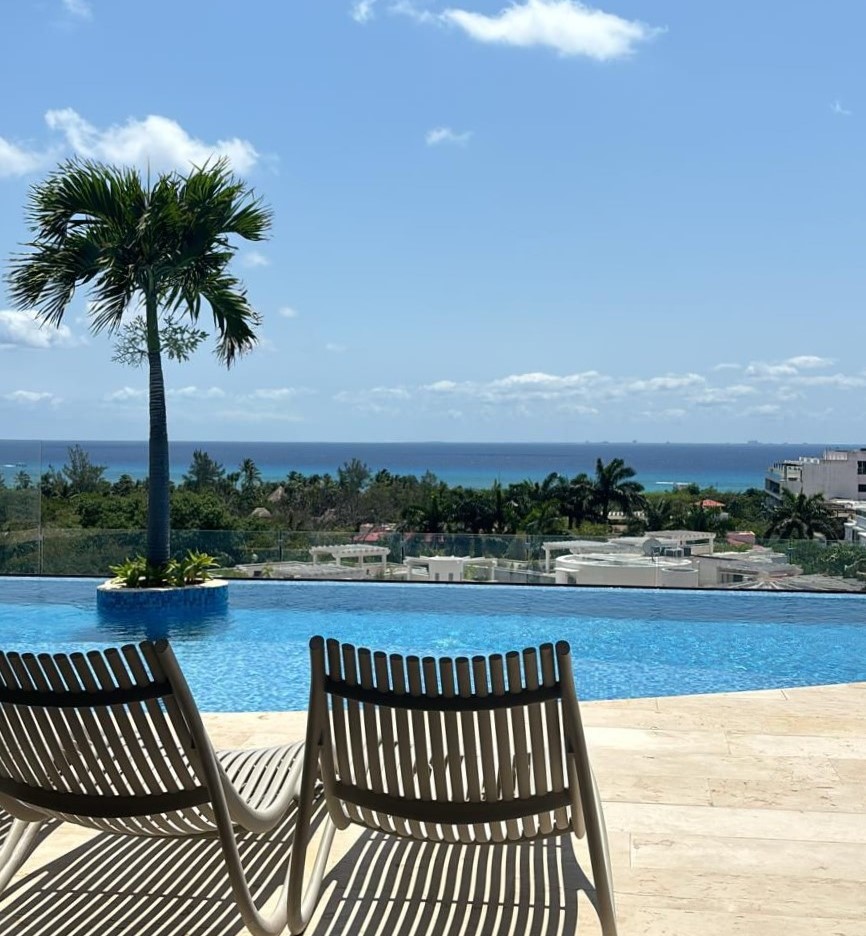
column 625, row 642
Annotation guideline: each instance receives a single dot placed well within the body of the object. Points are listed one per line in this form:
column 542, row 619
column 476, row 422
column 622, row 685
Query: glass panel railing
column 20, row 507
column 685, row 560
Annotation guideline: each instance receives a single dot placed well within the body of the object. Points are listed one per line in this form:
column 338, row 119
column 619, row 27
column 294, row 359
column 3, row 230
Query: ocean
column 727, row 467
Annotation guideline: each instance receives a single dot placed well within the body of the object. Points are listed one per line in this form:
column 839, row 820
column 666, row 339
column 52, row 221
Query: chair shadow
column 404, row 888
column 113, row 885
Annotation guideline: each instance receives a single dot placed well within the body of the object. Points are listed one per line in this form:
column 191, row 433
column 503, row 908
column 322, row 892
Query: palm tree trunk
column 158, row 526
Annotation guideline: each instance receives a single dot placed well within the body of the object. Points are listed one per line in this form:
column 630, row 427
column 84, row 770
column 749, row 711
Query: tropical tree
column 659, row 512
column 81, row 474
column 353, row 475
column 800, row 517
column 613, row 487
column 162, row 247
column 205, row 473
column 250, row 476
column 575, row 497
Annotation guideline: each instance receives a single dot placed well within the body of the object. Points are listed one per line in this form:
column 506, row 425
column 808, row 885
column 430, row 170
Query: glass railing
column 450, row 557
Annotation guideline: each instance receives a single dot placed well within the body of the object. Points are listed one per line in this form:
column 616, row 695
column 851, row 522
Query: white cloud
column 125, row 395
column 441, row 386
column 196, row 393
column 839, row 110
column 569, row 27
column 672, row 412
column 254, row 258
column 722, row 396
column 79, row 8
column 247, row 416
column 278, row 393
column 158, row 141
column 577, row 409
column 762, row 370
column 838, row 381
column 440, row 135
column 17, row 161
column 362, row 10
column 408, row 8
column 334, row 348
column 23, row 330
column 382, row 393
column 804, row 361
column 620, row 398
column 32, row 397
column 288, row 312
column 668, row 382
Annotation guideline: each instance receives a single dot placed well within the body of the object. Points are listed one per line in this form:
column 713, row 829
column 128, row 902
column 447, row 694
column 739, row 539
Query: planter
column 207, row 597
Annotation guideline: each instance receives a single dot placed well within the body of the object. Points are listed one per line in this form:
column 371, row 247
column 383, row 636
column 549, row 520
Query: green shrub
column 192, row 569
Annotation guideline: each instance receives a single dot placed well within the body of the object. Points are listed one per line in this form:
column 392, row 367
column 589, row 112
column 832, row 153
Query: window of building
column 861, row 488
column 861, row 467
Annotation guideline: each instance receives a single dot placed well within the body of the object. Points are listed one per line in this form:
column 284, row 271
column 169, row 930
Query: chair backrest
column 96, row 736
column 449, row 749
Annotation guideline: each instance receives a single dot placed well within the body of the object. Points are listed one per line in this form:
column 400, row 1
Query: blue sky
column 543, row 221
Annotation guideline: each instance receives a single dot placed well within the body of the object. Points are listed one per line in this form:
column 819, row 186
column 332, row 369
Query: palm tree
column 250, row 476
column 576, row 497
column 164, row 246
column 801, row 517
column 659, row 512
column 613, row 488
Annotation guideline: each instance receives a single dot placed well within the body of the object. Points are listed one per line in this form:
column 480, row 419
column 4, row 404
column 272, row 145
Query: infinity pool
column 625, row 642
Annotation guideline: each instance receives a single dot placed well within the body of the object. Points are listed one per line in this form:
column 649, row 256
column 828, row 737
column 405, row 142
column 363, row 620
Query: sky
column 536, row 221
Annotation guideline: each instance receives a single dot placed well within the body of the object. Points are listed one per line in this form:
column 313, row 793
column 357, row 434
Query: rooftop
column 741, row 814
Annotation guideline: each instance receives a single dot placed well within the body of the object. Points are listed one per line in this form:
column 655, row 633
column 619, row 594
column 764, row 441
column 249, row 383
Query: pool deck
column 740, row 814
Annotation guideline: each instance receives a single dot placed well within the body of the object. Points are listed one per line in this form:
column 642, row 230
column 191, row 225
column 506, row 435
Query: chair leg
column 17, row 847
column 599, row 856
column 301, row 902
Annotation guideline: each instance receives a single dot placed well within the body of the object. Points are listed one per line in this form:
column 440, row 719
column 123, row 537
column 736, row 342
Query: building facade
column 839, row 474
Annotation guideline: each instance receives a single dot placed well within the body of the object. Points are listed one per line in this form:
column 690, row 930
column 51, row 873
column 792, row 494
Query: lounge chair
column 114, row 741
column 481, row 751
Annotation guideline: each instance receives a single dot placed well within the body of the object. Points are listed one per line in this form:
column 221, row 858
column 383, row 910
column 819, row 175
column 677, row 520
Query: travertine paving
column 729, row 815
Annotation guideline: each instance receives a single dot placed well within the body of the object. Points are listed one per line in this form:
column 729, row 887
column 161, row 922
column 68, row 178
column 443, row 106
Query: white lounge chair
column 451, row 750
column 114, row 741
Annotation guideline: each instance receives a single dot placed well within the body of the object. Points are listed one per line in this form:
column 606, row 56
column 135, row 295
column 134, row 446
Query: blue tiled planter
column 207, row 597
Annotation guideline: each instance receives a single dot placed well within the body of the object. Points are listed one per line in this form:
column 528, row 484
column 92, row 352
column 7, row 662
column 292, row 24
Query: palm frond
column 234, row 317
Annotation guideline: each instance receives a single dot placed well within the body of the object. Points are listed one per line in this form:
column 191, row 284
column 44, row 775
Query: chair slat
column 536, row 735
column 469, row 735
column 501, row 723
column 357, row 756
column 404, row 750
column 150, row 720
column 553, row 734
column 338, row 714
column 420, row 740
column 111, row 736
column 521, row 749
column 452, row 733
column 20, row 731
column 78, row 765
column 386, row 725
column 434, row 729
column 371, row 728
column 488, row 754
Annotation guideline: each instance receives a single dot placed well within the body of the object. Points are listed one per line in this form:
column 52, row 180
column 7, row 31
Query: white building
column 855, row 528
column 447, row 568
column 626, row 569
column 836, row 474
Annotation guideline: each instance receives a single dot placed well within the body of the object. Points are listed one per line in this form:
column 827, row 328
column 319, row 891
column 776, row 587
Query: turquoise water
column 732, row 467
column 625, row 642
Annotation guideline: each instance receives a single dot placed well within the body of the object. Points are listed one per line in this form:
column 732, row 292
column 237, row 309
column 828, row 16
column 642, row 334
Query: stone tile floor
column 741, row 814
